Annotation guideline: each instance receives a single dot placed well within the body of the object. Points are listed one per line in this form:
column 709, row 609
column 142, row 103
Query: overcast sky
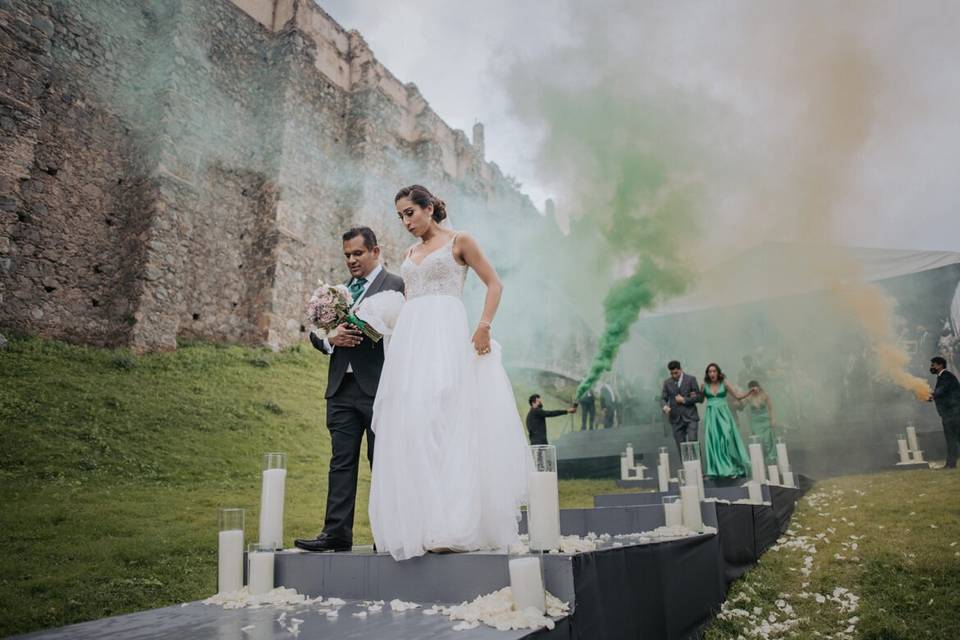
column 903, row 190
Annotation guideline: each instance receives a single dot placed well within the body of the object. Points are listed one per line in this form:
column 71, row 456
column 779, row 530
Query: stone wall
column 184, row 168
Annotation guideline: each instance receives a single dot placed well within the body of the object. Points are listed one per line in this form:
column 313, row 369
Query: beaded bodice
column 438, row 275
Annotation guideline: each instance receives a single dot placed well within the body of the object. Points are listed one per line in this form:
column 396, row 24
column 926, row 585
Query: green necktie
column 356, row 287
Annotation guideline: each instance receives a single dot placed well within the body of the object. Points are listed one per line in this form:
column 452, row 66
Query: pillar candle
column 665, row 461
column 673, row 513
column 260, row 572
column 271, row 507
column 788, row 479
column 624, row 468
column 543, row 511
column 917, row 455
column 631, row 461
column 230, row 561
column 526, row 584
column 912, row 438
column 690, row 499
column 756, row 462
column 755, row 492
column 773, row 471
column 690, row 468
column 904, row 451
column 703, row 493
column 663, row 478
column 782, row 460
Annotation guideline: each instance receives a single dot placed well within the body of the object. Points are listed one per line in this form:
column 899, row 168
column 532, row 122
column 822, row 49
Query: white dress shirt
column 370, row 277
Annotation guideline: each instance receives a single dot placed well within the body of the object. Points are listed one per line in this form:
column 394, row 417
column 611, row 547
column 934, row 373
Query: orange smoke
column 873, row 310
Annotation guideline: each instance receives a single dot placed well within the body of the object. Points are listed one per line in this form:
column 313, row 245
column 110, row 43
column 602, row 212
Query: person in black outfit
column 946, row 395
column 537, row 419
column 352, row 380
column 588, row 413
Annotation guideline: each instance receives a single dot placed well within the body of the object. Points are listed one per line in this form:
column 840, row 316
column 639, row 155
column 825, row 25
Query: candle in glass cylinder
column 631, row 461
column 543, row 510
column 624, row 468
column 917, row 455
column 773, row 471
column 260, row 568
column 690, row 501
column 672, row 511
column 912, row 438
column 903, row 449
column 271, row 499
column 663, row 478
column 664, row 459
column 788, row 480
column 757, row 464
column 755, row 492
column 230, row 551
column 526, row 584
column 783, row 461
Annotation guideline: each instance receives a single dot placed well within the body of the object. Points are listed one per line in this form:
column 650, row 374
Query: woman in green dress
column 761, row 419
column 725, row 453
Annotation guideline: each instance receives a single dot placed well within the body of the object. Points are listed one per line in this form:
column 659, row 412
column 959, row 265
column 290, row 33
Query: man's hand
column 572, row 409
column 680, row 399
column 347, row 336
column 666, row 409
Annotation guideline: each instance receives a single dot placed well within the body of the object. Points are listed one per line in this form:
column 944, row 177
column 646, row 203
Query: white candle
column 260, row 572
column 912, row 439
column 917, row 455
column 673, row 513
column 690, row 470
column 631, row 461
column 271, row 507
column 663, row 478
column 230, row 561
column 665, row 461
column 690, row 499
column 756, row 461
column 543, row 511
column 526, row 584
column 755, row 492
column 773, row 471
column 788, row 479
column 624, row 468
column 783, row 461
column 641, row 472
column 904, row 451
column 703, row 493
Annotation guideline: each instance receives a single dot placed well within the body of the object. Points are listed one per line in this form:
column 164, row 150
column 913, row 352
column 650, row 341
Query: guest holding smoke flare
column 725, row 453
column 946, row 395
column 760, row 408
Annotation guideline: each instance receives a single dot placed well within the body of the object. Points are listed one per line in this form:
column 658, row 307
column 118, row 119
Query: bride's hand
column 481, row 340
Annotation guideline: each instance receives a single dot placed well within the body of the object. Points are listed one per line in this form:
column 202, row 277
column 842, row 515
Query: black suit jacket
column 537, row 423
column 367, row 357
column 690, row 390
column 946, row 395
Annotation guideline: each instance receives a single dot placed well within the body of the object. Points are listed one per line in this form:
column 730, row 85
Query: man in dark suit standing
column 588, row 411
column 352, row 380
column 537, row 419
column 680, row 396
column 946, row 395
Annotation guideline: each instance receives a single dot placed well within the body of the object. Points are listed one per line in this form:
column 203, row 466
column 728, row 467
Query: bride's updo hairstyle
column 421, row 196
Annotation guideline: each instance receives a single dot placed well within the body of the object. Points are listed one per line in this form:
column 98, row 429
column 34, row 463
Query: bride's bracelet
column 484, row 323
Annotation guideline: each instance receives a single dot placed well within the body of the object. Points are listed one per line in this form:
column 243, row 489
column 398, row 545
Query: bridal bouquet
column 330, row 306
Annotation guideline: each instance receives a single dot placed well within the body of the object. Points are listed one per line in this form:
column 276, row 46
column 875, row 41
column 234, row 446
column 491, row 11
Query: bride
column 451, row 463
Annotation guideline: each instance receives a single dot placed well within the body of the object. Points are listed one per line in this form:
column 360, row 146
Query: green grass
column 905, row 568
column 113, row 466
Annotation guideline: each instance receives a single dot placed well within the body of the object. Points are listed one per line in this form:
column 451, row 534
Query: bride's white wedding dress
column 451, row 459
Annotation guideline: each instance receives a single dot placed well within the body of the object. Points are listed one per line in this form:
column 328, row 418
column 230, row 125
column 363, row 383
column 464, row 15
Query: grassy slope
column 112, row 469
column 905, row 567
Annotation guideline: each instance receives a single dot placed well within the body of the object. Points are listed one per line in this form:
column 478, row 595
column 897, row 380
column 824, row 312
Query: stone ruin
column 183, row 169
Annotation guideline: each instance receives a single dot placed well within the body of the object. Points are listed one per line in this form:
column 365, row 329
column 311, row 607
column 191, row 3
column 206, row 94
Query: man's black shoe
column 322, row 543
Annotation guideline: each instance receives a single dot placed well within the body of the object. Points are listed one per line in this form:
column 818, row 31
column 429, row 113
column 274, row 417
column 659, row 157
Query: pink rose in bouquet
column 329, row 307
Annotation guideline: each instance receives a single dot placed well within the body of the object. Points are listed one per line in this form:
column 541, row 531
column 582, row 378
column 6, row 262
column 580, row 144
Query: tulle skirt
column 451, row 459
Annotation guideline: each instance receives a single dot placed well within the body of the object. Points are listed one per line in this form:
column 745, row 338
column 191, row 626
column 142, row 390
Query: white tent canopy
column 778, row 269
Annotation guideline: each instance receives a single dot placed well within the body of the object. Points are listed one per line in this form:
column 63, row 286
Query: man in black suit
column 588, row 407
column 537, row 419
column 352, row 379
column 680, row 396
column 946, row 395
